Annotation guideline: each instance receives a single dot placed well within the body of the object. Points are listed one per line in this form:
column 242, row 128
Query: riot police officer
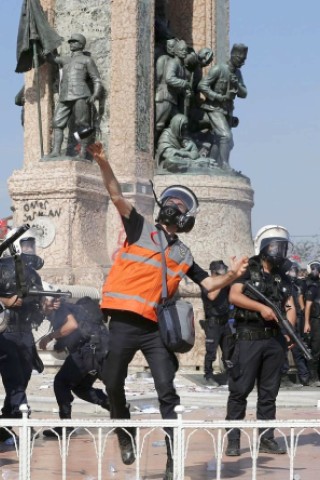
column 80, row 329
column 312, row 318
column 299, row 359
column 216, row 307
column 260, row 346
column 18, row 351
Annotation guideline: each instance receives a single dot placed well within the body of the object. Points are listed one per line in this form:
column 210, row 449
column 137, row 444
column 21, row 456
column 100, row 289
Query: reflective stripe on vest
column 135, row 279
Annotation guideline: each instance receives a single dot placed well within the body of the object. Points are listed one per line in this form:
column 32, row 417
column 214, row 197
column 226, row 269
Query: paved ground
column 202, row 403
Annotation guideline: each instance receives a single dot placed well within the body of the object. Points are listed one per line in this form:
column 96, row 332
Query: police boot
column 57, row 143
column 269, row 445
column 105, row 403
column 314, row 379
column 233, row 447
column 286, row 382
column 127, row 444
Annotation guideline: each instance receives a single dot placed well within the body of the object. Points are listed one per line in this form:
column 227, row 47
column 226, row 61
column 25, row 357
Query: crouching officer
column 216, row 308
column 80, row 330
column 260, row 346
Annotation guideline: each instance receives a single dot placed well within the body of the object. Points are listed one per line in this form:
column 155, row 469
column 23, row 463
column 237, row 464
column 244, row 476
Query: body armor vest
column 273, row 285
column 218, row 307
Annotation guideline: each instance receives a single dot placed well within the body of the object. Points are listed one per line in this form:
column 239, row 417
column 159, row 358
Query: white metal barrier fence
column 99, row 432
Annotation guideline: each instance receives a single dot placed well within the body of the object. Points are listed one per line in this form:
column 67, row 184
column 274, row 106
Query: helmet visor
column 183, row 194
column 28, row 245
column 277, row 249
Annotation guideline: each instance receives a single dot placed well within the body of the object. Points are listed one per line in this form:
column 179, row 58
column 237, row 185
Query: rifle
column 283, row 321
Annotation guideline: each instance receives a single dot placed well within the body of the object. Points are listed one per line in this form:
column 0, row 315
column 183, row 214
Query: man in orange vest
column 132, row 292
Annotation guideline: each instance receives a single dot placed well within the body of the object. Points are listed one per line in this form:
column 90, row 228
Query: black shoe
column 56, row 432
column 210, row 381
column 270, row 446
column 127, row 445
column 286, row 382
column 169, row 470
column 305, row 381
column 5, row 434
column 106, row 404
column 233, row 448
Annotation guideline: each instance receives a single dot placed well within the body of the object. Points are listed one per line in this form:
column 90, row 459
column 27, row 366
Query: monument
column 63, row 197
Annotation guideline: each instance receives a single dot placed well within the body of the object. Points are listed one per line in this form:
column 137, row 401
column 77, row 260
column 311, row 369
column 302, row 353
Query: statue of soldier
column 220, row 87
column 80, row 86
column 173, row 88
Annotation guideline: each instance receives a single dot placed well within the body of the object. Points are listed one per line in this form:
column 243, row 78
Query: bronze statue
column 176, row 151
column 80, row 86
column 220, row 87
column 173, row 89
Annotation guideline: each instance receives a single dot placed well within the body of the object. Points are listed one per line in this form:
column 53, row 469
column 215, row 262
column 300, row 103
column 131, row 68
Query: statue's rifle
column 283, row 321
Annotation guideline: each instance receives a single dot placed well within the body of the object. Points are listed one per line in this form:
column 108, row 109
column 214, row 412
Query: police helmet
column 293, row 270
column 313, row 265
column 78, row 37
column 271, row 242
column 170, row 214
column 26, row 243
column 218, row 266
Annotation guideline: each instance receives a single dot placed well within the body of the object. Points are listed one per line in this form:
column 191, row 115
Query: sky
column 276, row 142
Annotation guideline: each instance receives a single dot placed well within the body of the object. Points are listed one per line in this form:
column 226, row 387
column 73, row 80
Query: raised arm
column 112, row 185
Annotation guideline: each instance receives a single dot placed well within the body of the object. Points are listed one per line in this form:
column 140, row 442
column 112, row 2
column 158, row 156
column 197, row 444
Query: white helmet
column 172, row 216
column 267, row 234
column 314, row 263
column 26, row 243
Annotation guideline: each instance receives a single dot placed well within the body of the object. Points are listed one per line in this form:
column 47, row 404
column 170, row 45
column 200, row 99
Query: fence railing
column 98, row 433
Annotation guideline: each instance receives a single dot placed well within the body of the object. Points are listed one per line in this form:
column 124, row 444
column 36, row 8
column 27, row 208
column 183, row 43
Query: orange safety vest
column 135, row 279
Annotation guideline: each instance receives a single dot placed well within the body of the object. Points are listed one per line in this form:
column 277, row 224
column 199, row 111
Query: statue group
column 194, row 111
column 194, row 100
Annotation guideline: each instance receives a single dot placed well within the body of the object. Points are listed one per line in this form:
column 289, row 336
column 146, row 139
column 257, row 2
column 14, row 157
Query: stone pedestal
column 66, row 203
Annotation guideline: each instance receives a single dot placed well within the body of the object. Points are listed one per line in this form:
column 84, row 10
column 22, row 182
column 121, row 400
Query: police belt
column 218, row 320
column 257, row 334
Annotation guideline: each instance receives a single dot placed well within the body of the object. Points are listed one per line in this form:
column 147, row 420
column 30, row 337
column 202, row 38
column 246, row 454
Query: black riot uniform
column 312, row 294
column 87, row 347
column 18, row 351
column 298, row 357
column 216, row 327
column 259, row 352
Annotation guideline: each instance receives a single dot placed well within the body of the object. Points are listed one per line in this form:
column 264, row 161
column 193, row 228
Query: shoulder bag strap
column 164, row 294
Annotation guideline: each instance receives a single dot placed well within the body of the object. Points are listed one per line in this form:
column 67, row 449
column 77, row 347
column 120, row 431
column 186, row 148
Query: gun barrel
column 44, row 293
column 9, row 241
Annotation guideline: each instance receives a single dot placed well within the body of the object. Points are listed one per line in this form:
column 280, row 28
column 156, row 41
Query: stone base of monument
column 65, row 202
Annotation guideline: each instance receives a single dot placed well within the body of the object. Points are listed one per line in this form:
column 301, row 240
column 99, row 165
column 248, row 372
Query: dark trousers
column 128, row 334
column 259, row 361
column 16, row 365
column 315, row 345
column 215, row 337
column 73, row 377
